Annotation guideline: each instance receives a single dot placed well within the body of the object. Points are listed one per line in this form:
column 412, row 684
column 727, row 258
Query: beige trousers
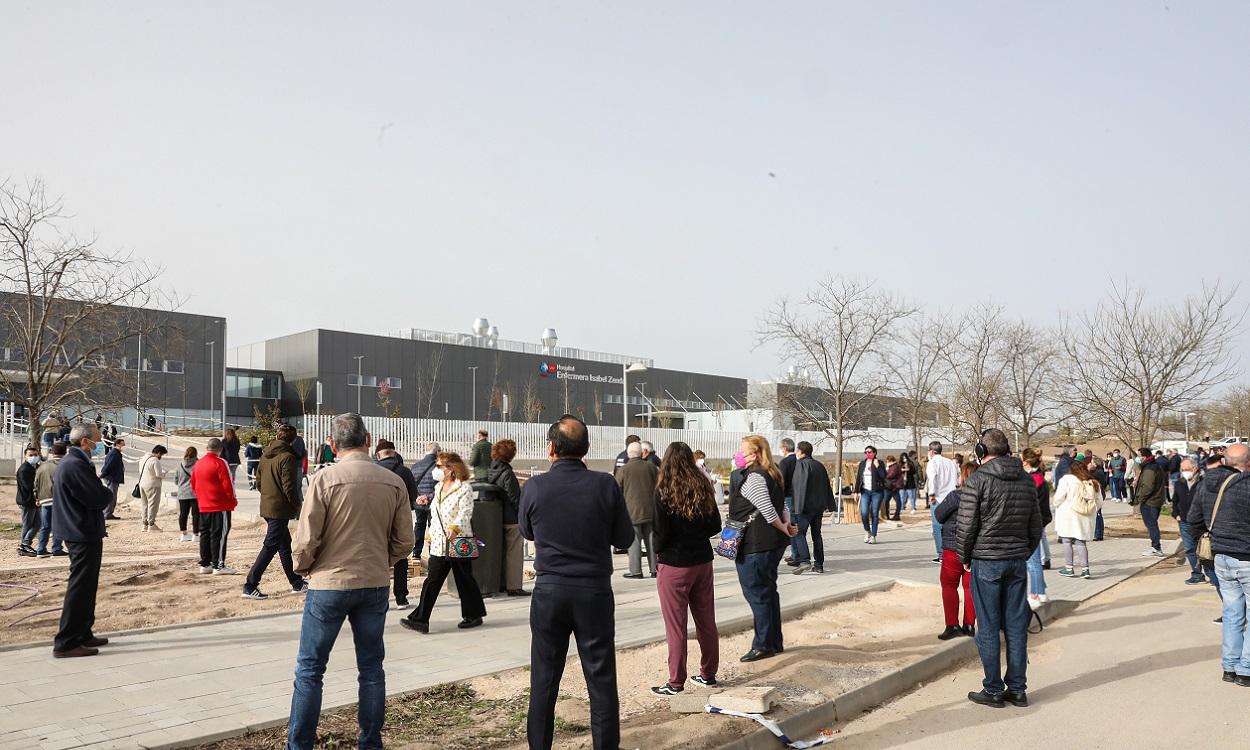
column 150, row 500
column 513, row 557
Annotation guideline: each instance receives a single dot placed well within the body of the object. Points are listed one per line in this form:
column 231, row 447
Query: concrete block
column 750, row 700
column 691, row 702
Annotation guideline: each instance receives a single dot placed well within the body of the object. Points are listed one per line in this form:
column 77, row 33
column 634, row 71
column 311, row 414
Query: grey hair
column 936, row 447
column 214, row 445
column 433, row 447
column 787, row 444
column 1189, row 462
column 633, row 450
column 82, row 432
column 348, row 432
column 648, row 447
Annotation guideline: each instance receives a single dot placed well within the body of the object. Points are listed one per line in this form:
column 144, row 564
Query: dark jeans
column 399, row 580
column 214, row 533
column 251, row 472
column 78, row 611
column 187, row 506
column 45, row 530
column 897, row 497
column 1150, row 517
column 421, row 520
column 757, row 575
column 277, row 542
column 817, row 552
column 1191, row 546
column 1000, row 598
column 1118, row 490
column 586, row 613
column 471, row 604
column 1098, row 525
column 870, row 508
column 30, row 523
column 324, row 612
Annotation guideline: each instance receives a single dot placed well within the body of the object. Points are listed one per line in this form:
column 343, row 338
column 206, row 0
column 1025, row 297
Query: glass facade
column 244, row 385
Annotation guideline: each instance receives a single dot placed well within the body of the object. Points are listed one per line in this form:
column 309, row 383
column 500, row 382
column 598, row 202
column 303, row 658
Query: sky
column 646, row 177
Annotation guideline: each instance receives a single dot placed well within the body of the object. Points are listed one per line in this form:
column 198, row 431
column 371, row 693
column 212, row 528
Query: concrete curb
column 850, row 705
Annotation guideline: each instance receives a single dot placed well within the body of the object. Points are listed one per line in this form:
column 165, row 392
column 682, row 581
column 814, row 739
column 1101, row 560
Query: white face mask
column 699, row 461
column 32, row 460
column 1188, row 475
column 438, row 474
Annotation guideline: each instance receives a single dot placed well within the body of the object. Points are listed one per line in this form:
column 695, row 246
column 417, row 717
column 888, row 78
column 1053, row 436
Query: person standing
column 1116, row 466
column 1099, row 475
column 1152, row 493
column 787, row 464
column 45, row 492
column 637, row 479
column 214, row 493
column 389, row 459
column 686, row 516
column 502, row 476
column 623, row 457
column 941, row 477
column 301, row 455
column 113, row 474
column 1000, row 524
column 812, row 495
column 953, row 575
column 870, row 485
column 479, row 457
column 79, row 500
column 1037, row 569
column 1062, row 464
column 1182, row 501
column 252, row 453
column 574, row 516
column 187, row 505
column 278, row 480
column 230, row 447
column 1215, row 471
column 151, row 478
column 353, row 528
column 648, row 452
column 894, row 488
column 1131, row 470
column 451, row 521
column 907, row 465
column 1076, row 503
column 26, row 501
column 423, row 474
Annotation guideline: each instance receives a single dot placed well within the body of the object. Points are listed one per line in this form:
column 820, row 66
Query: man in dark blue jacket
column 575, row 517
column 78, row 504
column 423, row 475
column 113, row 474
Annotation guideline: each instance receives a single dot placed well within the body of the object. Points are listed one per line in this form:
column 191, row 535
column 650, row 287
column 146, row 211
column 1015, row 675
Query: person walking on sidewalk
column 575, row 517
column 252, row 453
column 278, row 480
column 941, row 478
column 354, row 526
column 1152, row 493
column 953, row 575
column 151, row 478
column 214, row 493
column 423, row 473
column 113, row 474
column 79, row 500
column 686, row 516
column 870, row 485
column 45, row 492
column 1182, row 500
column 230, row 447
column 812, row 495
column 388, row 458
column 25, row 478
column 187, row 505
column 637, row 479
column 1000, row 524
column 1076, row 503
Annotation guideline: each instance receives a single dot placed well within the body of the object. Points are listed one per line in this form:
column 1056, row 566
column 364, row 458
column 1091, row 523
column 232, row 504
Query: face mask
column 870, row 455
column 1188, row 475
column 740, row 460
column 699, row 462
column 439, row 474
column 1139, row 459
column 32, row 460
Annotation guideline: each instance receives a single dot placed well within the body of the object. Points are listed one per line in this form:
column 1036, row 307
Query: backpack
column 1086, row 503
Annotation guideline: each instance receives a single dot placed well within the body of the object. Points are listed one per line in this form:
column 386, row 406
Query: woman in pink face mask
column 759, row 502
column 870, row 485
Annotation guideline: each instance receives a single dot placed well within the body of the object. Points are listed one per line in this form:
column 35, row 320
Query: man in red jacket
column 214, row 491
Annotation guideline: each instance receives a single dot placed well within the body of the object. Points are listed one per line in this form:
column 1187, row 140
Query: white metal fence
column 411, row 435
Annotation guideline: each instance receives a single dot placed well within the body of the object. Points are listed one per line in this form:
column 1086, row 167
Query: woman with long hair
column 230, row 446
column 451, row 514
column 952, row 574
column 759, row 504
column 870, row 485
column 187, row 505
column 502, row 476
column 686, row 516
column 1037, row 578
column 894, row 488
column 1076, row 502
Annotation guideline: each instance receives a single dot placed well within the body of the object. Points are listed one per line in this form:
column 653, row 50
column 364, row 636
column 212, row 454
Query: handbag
column 461, row 547
column 731, row 537
column 1205, row 553
column 135, row 492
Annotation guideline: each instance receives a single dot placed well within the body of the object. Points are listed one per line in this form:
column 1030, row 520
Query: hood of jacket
column 1213, row 478
column 1008, row 468
column 391, row 463
column 276, row 448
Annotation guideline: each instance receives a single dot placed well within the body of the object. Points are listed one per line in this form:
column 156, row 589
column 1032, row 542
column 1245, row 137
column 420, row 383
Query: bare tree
column 918, row 370
column 1167, row 359
column 531, row 405
column 68, row 307
column 1229, row 414
column 1029, row 388
column 976, row 371
column 303, row 391
column 597, row 407
column 495, row 404
column 838, row 332
column 427, row 375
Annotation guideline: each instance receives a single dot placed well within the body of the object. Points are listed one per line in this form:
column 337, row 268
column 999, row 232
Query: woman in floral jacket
column 451, row 515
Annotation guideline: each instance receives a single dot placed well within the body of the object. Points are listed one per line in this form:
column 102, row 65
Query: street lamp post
column 1187, row 416
column 473, row 370
column 212, row 384
column 359, row 380
column 626, row 369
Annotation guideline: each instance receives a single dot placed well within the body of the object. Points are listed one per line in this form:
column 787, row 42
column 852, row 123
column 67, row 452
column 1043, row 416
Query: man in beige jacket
column 355, row 525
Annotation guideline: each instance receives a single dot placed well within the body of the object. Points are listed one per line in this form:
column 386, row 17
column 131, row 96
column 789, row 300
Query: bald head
column 1238, row 456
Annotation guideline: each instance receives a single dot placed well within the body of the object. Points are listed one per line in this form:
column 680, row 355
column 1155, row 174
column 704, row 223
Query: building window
column 395, row 382
column 174, row 366
column 367, row 381
column 252, row 386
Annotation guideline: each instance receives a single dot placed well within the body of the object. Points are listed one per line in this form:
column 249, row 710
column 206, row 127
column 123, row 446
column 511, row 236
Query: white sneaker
column 866, row 538
column 1152, row 552
column 206, row 569
column 224, row 571
column 184, row 537
column 255, row 594
column 872, row 540
column 153, row 527
column 1035, row 603
column 1042, row 598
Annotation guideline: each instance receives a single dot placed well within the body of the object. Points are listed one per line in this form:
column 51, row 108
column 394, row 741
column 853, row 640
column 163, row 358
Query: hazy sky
column 644, row 176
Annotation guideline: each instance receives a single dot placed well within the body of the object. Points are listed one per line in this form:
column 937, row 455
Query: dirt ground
column 1120, row 527
column 828, row 652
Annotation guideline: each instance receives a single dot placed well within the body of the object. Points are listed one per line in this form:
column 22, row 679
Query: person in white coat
column 1076, row 502
column 151, row 477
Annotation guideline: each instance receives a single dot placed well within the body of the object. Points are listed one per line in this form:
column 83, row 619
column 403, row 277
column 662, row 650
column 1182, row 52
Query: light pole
column 212, row 384
column 359, row 381
column 1187, row 416
column 139, row 381
column 473, row 370
column 626, row 369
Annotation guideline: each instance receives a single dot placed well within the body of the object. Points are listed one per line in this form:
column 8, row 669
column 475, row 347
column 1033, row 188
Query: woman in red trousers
column 685, row 518
column 953, row 574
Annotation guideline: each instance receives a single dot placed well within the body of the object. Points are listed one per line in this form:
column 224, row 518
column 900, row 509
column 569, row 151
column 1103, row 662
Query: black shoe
column 756, row 654
column 666, row 690
column 969, row 630
column 420, row 627
column 1019, row 700
column 401, row 601
column 469, row 622
column 75, row 651
column 779, row 650
column 1230, row 677
column 25, row 551
column 94, row 642
column 985, row 699
column 518, row 592
column 937, row 561
column 1195, row 579
column 1243, row 680
column 1219, row 619
column 704, row 681
column 112, row 518
column 950, row 632
column 632, row 576
column 792, row 563
column 1046, row 565
column 60, row 553
column 818, row 569
column 653, row 574
column 1097, row 539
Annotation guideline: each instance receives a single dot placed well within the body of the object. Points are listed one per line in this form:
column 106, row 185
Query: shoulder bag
column 135, row 492
column 731, row 537
column 1205, row 553
column 461, row 547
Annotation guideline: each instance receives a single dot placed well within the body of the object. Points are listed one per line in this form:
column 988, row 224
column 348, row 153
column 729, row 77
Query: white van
column 1226, row 441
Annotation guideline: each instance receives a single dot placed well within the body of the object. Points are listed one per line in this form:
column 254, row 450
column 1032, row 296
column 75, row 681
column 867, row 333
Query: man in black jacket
column 79, row 500
column 573, row 515
column 388, row 458
column 812, row 495
column 423, row 474
column 113, row 474
column 1182, row 500
column 786, row 465
column 26, row 501
column 1000, row 524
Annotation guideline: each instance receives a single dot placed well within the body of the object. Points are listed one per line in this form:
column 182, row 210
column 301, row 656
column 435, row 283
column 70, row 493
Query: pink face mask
column 740, row 461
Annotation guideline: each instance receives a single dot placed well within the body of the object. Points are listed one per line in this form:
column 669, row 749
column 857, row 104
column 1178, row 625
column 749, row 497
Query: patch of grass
column 10, row 530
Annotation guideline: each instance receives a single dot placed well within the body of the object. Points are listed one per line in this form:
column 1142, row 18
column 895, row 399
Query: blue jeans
column 1191, row 546
column 1150, row 517
column 1118, row 491
column 870, row 509
column 801, row 551
column 1037, row 578
column 1235, row 588
column 937, row 527
column 324, row 612
column 45, row 529
column 909, row 496
column 794, row 546
column 757, row 575
column 998, row 594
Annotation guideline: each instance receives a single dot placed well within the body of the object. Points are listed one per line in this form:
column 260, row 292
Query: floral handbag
column 731, row 537
column 462, row 547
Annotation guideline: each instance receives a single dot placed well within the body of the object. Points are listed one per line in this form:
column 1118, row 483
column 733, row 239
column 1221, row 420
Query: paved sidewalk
column 200, row 681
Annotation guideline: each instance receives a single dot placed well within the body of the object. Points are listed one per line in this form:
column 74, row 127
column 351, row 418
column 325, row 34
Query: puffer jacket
column 947, row 514
column 502, row 476
column 999, row 514
column 1230, row 531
